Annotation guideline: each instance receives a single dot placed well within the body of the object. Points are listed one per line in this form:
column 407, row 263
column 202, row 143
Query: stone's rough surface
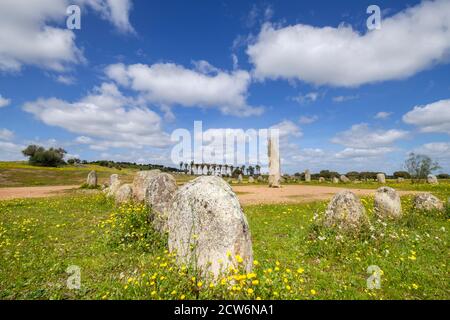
column 335, row 180
column 427, row 202
column 251, row 180
column 381, row 178
column 307, row 176
column 387, row 203
column 260, row 179
column 124, row 194
column 321, row 179
column 206, row 215
column 92, row 179
column 345, row 211
column 344, row 178
column 431, row 179
column 240, row 178
column 400, row 180
column 158, row 197
column 114, row 185
column 274, row 163
column 141, row 182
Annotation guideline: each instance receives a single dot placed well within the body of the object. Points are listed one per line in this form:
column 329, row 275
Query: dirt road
column 32, row 192
column 292, row 194
column 247, row 194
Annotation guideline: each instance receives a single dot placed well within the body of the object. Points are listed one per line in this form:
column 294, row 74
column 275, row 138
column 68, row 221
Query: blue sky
column 345, row 98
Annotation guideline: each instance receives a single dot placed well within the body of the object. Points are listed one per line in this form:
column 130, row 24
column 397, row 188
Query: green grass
column 20, row 174
column 121, row 258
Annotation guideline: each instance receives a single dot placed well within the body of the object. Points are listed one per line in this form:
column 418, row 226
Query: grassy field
column 296, row 257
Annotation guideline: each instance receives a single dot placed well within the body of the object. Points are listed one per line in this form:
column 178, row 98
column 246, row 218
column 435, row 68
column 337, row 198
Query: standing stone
column 92, row 179
column 335, row 180
column 400, row 179
column 345, row 211
column 141, row 182
column 260, row 179
column 344, row 179
column 158, row 197
column 208, row 228
column 432, row 179
column 274, row 163
column 321, row 179
column 240, row 178
column 427, row 202
column 387, row 203
column 124, row 194
column 381, row 178
column 251, row 179
column 307, row 176
column 114, row 185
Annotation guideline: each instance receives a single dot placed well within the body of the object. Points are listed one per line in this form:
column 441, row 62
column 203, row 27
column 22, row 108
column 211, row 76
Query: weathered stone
column 321, row 179
column 208, row 228
column 432, row 179
column 427, row 202
column 307, row 176
column 344, row 179
column 158, row 197
column 345, row 211
column 381, row 178
column 124, row 194
column 387, row 203
column 400, row 180
column 335, row 180
column 114, row 185
column 240, row 179
column 92, row 179
column 274, row 163
column 260, row 179
column 251, row 179
column 141, row 182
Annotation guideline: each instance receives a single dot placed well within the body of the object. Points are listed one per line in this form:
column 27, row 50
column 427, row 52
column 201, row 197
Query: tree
column 39, row 156
column 402, row 174
column 419, row 166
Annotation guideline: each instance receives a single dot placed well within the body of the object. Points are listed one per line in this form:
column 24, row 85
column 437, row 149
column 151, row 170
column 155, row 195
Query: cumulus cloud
column 4, row 102
column 438, row 151
column 6, row 134
column 115, row 121
column 288, row 128
column 361, row 136
column 34, row 32
column 306, row 98
column 10, row 151
column 339, row 99
column 408, row 42
column 168, row 84
column 363, row 153
column 383, row 115
column 434, row 117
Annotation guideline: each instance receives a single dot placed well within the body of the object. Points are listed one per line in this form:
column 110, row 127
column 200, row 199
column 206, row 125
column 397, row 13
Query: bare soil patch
column 33, row 192
column 249, row 195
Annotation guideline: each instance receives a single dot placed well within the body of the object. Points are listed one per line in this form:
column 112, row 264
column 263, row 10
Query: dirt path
column 32, row 192
column 293, row 194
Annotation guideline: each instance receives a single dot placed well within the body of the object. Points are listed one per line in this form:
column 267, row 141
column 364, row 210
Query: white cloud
column 64, row 79
column 349, row 153
column 340, row 99
column 361, row 136
column 383, row 115
column 308, row 120
column 169, row 84
column 306, row 98
column 10, row 151
column 113, row 119
column 4, row 102
column 34, row 32
column 408, row 42
column 288, row 128
column 434, row 117
column 438, row 151
column 83, row 140
column 6, row 134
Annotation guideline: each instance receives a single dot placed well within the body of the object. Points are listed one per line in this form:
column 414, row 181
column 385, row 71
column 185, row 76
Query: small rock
column 387, row 203
column 344, row 179
column 427, row 202
column 251, row 179
column 381, row 178
column 432, row 179
column 345, row 211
